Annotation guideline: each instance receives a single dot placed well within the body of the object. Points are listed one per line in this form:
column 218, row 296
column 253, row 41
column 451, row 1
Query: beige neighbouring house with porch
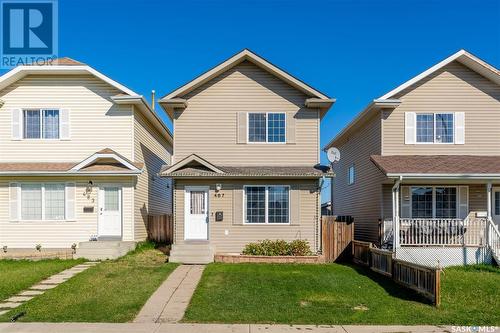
column 420, row 167
column 79, row 161
column 246, row 158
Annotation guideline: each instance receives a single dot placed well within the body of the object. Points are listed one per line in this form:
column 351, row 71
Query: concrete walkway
column 214, row 328
column 41, row 287
column 169, row 302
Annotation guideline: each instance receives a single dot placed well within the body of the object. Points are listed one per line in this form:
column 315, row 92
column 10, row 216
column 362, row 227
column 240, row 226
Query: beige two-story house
column 246, row 156
column 79, row 158
column 419, row 168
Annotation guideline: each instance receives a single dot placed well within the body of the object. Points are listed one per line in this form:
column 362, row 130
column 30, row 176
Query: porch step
column 102, row 250
column 192, row 253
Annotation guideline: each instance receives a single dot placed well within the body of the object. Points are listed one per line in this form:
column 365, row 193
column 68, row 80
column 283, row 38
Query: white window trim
column 267, row 129
column 20, row 200
column 353, row 175
column 434, row 142
column 457, row 201
column 41, row 138
column 266, row 204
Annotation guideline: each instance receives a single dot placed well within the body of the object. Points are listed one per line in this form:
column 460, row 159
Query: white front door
column 196, row 213
column 495, row 205
column 110, row 211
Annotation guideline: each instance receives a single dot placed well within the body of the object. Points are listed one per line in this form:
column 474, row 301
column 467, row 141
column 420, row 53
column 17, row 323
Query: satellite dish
column 333, row 154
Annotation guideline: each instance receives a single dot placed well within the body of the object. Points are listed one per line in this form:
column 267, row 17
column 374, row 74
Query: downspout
column 395, row 213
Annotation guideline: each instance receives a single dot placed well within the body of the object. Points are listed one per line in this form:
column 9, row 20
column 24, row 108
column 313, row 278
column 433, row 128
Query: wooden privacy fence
column 424, row 280
column 361, row 252
column 161, row 228
column 337, row 234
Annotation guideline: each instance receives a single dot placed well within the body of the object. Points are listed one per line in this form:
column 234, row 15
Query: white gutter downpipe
column 395, row 213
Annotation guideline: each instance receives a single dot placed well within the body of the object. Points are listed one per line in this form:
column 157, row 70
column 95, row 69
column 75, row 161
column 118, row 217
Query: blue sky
column 352, row 50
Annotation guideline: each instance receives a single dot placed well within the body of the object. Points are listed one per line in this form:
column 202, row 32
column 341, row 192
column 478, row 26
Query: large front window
column 267, row 204
column 43, row 201
column 267, row 127
column 41, row 124
column 435, row 127
column 434, row 202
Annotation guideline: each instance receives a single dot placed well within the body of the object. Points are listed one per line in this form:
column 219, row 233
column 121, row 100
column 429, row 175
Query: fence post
column 437, row 286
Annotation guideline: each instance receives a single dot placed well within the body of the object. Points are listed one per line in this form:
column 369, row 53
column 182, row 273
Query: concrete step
column 102, row 250
column 106, row 244
column 189, row 259
column 192, row 253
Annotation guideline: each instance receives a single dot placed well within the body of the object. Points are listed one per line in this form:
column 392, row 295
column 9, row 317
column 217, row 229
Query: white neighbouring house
column 79, row 158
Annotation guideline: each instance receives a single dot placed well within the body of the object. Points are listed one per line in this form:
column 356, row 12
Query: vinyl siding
column 303, row 227
column 62, row 234
column 95, row 122
column 153, row 194
column 454, row 88
column 208, row 126
column 361, row 200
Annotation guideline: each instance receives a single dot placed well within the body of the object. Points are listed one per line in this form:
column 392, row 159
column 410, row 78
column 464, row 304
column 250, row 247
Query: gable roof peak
column 244, row 54
column 464, row 57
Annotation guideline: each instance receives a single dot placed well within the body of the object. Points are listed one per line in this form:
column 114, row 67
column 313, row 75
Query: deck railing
column 443, row 232
column 494, row 240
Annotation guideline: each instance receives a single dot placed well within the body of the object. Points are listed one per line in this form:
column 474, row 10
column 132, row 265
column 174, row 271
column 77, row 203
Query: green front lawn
column 112, row 291
column 339, row 294
column 18, row 275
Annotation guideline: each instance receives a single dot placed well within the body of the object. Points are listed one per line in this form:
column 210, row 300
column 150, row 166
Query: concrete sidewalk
column 169, row 302
column 211, row 328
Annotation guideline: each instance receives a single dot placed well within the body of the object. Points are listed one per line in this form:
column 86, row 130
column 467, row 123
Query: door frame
column 187, row 202
column 120, row 207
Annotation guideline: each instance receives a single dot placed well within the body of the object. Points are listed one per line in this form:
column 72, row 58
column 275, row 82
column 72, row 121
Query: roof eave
column 245, row 176
column 484, row 176
column 141, row 103
column 375, row 105
column 70, row 173
column 170, row 105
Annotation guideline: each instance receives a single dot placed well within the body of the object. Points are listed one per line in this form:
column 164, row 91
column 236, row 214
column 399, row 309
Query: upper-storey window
column 267, row 127
column 41, row 124
column 435, row 127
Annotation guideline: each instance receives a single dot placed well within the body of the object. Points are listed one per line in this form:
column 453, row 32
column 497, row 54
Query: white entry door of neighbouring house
column 196, row 213
column 110, row 211
column 495, row 205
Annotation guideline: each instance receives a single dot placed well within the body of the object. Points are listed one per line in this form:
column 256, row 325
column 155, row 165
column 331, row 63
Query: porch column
column 395, row 214
column 488, row 191
column 489, row 214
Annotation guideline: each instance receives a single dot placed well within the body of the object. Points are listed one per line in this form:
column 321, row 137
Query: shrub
column 278, row 247
column 299, row 247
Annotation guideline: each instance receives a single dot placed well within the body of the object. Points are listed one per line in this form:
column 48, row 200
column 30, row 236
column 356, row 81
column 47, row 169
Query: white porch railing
column 494, row 240
column 443, row 232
